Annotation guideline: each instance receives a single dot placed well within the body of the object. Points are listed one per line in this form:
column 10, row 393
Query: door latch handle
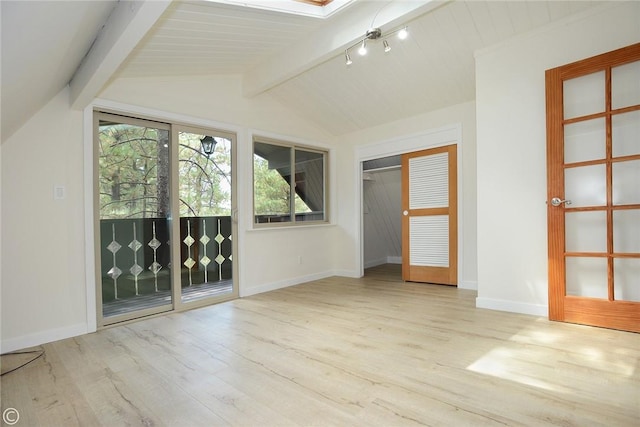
column 557, row 201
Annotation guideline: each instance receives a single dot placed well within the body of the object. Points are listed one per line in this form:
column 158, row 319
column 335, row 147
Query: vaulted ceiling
column 297, row 59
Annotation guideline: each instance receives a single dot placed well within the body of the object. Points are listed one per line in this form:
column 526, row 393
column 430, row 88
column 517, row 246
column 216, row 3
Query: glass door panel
column 586, row 231
column 586, row 185
column 626, row 277
column 133, row 204
column 625, row 131
column 584, row 141
column 206, row 223
column 626, row 177
column 625, row 90
column 584, row 95
column 587, row 277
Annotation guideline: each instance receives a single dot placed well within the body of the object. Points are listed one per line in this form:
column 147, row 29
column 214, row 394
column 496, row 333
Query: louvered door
column 429, row 217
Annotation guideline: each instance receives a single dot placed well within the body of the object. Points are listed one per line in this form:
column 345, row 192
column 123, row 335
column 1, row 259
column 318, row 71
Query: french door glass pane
column 586, row 277
column 625, row 85
column 586, row 231
column 584, row 95
column 585, row 141
column 626, row 134
column 204, row 179
column 133, row 211
column 586, row 185
column 626, row 276
column 626, row 179
column 626, row 231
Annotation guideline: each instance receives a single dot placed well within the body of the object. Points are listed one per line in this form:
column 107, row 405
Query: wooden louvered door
column 593, row 166
column 429, row 217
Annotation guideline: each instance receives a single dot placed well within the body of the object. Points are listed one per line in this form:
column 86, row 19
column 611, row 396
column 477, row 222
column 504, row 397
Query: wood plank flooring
column 346, row 352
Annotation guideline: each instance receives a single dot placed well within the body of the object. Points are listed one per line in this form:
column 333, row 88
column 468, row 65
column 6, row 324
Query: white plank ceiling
column 432, row 69
column 299, row 60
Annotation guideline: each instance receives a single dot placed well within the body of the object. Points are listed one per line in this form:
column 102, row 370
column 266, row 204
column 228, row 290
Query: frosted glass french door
column 593, row 125
column 429, row 216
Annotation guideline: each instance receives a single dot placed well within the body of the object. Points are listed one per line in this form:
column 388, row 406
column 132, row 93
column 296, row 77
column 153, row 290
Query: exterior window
column 289, row 183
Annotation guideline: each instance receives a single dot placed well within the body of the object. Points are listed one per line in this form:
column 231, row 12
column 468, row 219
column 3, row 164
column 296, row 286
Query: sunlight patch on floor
column 504, row 363
column 525, row 358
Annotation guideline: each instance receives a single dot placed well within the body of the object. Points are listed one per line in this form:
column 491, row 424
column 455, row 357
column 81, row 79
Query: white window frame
column 293, row 146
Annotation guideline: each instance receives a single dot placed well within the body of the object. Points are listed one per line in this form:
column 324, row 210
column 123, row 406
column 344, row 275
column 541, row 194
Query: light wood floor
column 345, row 352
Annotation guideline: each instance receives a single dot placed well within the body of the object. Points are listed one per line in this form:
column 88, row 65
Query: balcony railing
column 279, row 218
column 136, row 262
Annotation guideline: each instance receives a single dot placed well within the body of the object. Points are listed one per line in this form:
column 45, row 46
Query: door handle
column 557, row 201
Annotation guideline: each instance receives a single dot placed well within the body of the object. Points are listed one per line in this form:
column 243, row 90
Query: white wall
column 510, row 99
column 346, row 260
column 44, row 293
column 43, row 287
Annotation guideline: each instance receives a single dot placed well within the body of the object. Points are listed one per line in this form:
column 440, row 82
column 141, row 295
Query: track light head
column 363, row 49
column 347, row 58
column 387, row 48
column 403, row 33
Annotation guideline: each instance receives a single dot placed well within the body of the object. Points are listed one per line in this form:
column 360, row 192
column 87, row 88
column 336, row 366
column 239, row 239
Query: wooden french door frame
column 441, row 218
column 607, row 312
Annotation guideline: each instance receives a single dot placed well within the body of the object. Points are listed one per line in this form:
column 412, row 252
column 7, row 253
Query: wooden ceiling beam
column 127, row 25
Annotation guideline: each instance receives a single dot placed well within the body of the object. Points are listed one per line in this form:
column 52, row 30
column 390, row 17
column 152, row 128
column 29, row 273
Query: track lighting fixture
column 374, row 34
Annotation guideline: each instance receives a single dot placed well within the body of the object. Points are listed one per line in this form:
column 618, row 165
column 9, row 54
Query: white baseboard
column 375, row 262
column 284, row 283
column 32, row 340
column 468, row 284
column 512, row 306
column 347, row 273
column 381, row 261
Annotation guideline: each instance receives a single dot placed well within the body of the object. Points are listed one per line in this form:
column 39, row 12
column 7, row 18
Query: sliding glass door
column 206, row 214
column 133, row 208
column 150, row 260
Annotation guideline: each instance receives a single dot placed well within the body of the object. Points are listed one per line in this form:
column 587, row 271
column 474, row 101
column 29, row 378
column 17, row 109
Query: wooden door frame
column 438, row 137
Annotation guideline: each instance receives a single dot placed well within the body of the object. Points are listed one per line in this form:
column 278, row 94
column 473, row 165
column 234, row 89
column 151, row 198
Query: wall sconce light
column 208, row 145
column 375, row 34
